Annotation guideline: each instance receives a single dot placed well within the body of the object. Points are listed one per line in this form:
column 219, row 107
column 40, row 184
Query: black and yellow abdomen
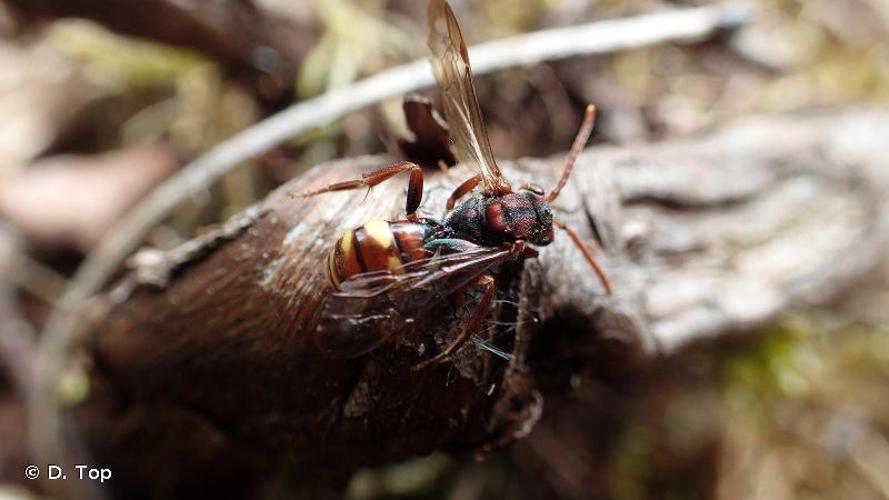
column 378, row 245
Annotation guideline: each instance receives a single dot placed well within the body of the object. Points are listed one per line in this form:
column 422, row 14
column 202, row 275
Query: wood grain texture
column 204, row 357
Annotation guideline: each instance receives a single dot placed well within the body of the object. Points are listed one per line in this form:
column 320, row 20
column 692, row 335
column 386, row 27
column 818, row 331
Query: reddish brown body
column 494, row 220
column 479, row 221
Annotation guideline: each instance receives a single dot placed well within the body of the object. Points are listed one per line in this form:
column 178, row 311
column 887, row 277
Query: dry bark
column 203, row 359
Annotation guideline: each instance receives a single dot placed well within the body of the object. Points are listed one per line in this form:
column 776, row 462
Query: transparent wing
column 450, row 62
column 371, row 307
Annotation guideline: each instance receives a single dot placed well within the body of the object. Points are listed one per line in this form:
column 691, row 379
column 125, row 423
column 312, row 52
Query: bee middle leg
column 474, row 326
column 467, row 186
column 371, row 179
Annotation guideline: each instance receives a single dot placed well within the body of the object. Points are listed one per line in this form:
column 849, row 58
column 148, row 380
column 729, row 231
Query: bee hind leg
column 474, row 326
column 371, row 179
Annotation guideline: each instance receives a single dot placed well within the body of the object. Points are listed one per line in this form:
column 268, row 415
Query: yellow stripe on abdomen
column 376, row 247
column 342, row 263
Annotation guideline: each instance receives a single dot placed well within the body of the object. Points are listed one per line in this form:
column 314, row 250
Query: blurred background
column 101, row 101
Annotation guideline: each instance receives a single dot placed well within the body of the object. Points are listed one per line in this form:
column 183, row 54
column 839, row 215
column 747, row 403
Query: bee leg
column 575, row 238
column 467, row 186
column 474, row 326
column 371, row 179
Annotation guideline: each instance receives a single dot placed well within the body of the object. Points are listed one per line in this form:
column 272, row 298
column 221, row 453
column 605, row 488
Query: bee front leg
column 474, row 326
column 575, row 238
column 519, row 250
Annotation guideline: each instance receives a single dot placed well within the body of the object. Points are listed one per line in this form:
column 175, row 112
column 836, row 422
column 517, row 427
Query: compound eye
column 534, row 188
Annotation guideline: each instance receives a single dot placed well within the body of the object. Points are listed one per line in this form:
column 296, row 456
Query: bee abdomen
column 378, row 245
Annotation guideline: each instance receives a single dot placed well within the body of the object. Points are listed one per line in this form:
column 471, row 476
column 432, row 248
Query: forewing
column 352, row 326
column 371, row 307
column 450, row 62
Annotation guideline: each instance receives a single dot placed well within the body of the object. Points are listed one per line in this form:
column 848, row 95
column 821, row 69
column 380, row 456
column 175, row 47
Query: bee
column 386, row 274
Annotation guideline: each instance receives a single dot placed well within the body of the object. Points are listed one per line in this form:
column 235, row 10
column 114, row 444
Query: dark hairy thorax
column 490, row 220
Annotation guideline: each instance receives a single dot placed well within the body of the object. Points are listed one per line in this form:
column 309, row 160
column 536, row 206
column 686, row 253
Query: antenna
column 583, row 135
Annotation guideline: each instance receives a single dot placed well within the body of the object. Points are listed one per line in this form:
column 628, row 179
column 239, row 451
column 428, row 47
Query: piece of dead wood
column 204, row 358
column 430, row 145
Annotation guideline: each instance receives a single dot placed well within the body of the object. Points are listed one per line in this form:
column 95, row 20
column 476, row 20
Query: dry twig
column 18, row 343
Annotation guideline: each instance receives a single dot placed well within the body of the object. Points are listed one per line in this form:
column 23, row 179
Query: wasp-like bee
column 386, row 274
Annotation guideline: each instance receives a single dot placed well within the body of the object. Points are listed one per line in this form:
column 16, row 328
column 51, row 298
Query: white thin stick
column 600, row 37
